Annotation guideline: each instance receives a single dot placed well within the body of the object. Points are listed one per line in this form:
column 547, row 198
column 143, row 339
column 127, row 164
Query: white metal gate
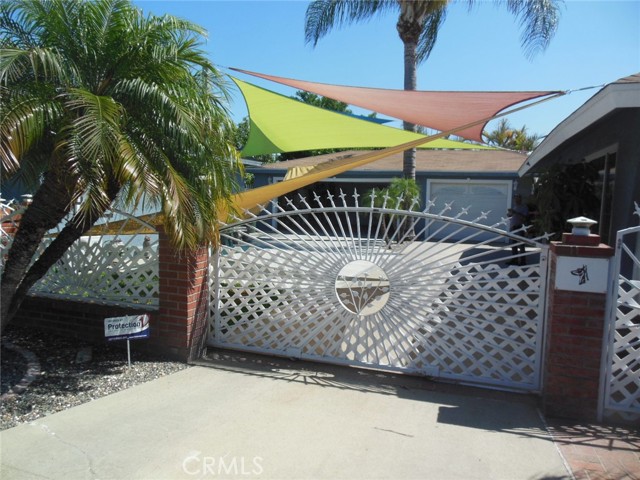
column 621, row 379
column 348, row 283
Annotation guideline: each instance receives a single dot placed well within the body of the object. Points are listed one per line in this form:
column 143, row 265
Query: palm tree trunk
column 71, row 232
column 51, row 204
column 410, row 41
column 410, row 83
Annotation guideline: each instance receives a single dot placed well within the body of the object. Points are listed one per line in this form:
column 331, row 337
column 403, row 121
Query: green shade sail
column 281, row 124
column 466, row 112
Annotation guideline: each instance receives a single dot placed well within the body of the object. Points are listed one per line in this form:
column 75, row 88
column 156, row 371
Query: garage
column 491, row 197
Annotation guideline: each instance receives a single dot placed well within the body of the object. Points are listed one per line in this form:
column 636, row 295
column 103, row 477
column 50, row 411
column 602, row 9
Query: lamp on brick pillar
column 578, row 285
column 581, row 226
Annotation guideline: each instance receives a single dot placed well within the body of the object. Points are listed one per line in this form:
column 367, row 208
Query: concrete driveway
column 245, row 416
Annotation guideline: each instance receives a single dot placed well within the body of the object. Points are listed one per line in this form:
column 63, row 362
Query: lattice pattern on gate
column 622, row 366
column 289, row 282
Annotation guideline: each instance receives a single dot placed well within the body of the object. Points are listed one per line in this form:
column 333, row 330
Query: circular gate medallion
column 362, row 287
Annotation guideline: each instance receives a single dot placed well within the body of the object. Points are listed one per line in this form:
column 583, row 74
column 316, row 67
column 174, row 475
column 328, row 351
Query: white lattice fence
column 10, row 214
column 117, row 264
column 622, row 365
column 449, row 309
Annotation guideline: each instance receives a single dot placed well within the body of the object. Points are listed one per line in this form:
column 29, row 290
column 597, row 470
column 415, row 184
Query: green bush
column 564, row 192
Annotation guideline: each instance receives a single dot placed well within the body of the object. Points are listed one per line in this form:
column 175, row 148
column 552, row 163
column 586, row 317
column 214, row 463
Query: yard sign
column 127, row 328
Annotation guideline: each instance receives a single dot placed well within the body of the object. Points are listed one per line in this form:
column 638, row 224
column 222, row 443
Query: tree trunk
column 410, row 83
column 51, row 204
column 71, row 232
column 409, row 28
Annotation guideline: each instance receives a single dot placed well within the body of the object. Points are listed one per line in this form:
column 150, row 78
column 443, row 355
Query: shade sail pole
column 250, row 199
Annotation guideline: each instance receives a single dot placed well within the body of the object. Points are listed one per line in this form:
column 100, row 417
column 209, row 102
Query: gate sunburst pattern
column 456, row 307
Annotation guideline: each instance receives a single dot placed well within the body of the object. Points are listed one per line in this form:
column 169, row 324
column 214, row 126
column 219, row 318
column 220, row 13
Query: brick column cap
column 591, row 240
column 581, row 246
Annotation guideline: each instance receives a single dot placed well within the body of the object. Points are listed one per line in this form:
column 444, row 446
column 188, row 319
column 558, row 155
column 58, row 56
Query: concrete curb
column 32, row 373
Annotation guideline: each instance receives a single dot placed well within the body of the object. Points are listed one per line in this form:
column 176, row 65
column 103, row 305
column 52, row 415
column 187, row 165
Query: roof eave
column 610, row 98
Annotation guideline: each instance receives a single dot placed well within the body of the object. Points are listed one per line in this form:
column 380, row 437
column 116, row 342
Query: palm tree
column 501, row 136
column 508, row 137
column 418, row 24
column 525, row 141
column 101, row 104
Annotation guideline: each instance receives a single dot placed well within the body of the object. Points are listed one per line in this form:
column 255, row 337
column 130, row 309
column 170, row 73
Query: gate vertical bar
column 610, row 328
column 543, row 294
column 215, row 291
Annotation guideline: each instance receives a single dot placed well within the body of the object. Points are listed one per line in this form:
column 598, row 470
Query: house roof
column 623, row 93
column 487, row 161
column 249, row 162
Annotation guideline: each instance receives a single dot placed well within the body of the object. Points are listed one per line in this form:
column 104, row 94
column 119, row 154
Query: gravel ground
column 42, row 373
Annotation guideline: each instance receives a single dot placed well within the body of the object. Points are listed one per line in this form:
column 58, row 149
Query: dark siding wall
column 621, row 128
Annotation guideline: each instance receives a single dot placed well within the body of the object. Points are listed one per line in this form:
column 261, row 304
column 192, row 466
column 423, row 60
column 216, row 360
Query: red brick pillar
column 179, row 329
column 578, row 283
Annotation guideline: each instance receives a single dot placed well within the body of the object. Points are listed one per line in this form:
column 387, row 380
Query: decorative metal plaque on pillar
column 582, row 274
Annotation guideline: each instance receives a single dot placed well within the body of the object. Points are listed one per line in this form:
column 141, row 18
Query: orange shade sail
column 439, row 110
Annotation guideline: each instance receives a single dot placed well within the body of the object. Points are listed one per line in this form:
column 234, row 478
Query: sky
column 597, row 42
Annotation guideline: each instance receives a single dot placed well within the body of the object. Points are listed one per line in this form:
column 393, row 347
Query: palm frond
column 429, row 31
column 538, row 20
column 96, row 123
column 23, row 123
column 41, row 64
column 324, row 15
column 134, row 106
